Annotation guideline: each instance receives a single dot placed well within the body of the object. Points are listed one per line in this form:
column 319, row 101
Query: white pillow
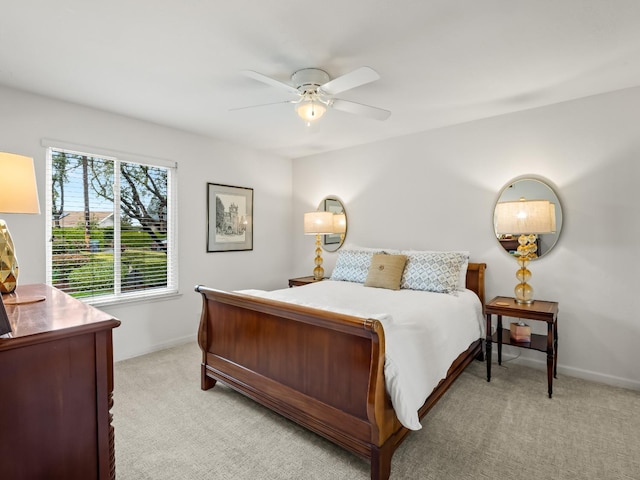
column 435, row 271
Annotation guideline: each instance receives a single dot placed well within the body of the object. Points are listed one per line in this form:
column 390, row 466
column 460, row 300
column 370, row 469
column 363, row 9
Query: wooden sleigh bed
column 321, row 369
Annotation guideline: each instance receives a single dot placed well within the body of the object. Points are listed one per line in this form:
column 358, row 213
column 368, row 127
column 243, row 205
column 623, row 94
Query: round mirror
column 527, row 206
column 334, row 241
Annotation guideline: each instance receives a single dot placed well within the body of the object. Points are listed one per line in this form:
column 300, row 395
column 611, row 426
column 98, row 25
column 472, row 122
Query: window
column 110, row 226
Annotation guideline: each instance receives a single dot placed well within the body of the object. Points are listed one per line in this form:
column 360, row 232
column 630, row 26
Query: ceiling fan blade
column 270, row 81
column 358, row 77
column 262, row 105
column 359, row 109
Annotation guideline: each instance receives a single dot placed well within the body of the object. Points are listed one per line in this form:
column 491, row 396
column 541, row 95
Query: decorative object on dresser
column 57, row 389
column 539, row 311
column 318, row 223
column 324, row 368
column 18, row 194
column 229, row 218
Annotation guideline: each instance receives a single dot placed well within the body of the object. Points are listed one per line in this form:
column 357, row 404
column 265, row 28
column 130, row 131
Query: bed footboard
column 321, row 369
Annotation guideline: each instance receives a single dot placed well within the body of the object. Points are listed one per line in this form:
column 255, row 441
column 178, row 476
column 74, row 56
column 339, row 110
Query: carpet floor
column 167, row 428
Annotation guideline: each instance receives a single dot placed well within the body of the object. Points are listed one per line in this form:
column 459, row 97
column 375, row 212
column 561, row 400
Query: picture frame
column 229, row 218
column 5, row 325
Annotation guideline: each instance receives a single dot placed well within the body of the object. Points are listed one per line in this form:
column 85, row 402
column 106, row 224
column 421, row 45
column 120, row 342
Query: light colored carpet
column 167, row 428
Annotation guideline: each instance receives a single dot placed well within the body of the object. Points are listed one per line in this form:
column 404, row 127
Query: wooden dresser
column 56, row 387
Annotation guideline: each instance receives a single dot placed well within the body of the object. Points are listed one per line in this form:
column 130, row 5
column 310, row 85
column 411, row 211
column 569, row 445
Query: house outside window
column 110, row 225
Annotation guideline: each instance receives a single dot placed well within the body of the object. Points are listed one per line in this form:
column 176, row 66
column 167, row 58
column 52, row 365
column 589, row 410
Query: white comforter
column 424, row 331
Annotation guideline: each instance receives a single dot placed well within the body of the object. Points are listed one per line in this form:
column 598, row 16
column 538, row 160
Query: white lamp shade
column 318, row 223
column 18, row 188
column 339, row 223
column 524, row 217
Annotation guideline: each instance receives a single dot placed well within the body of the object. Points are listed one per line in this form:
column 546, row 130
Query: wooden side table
column 539, row 310
column 298, row 282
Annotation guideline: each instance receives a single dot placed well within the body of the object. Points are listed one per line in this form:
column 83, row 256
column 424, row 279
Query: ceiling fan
column 314, row 91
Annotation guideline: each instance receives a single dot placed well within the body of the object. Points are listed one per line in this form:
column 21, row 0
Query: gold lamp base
column 527, row 249
column 8, row 261
column 318, row 272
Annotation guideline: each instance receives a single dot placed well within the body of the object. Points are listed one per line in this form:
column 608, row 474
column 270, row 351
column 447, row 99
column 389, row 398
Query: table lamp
column 526, row 218
column 318, row 223
column 18, row 194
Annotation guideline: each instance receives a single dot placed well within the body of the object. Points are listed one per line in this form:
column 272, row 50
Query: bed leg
column 381, row 461
column 206, row 382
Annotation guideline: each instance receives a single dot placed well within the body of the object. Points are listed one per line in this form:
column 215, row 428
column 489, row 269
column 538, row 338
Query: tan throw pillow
column 386, row 271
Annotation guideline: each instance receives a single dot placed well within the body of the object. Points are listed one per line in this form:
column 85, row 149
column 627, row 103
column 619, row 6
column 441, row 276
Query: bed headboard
column 475, row 279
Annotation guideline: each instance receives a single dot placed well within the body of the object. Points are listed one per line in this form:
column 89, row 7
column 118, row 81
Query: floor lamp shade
column 18, row 194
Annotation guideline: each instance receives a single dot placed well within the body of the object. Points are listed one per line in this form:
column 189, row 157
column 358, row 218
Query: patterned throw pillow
column 352, row 265
column 386, row 271
column 433, row 271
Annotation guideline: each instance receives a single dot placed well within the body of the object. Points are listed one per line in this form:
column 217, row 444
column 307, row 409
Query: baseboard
column 575, row 372
column 175, row 342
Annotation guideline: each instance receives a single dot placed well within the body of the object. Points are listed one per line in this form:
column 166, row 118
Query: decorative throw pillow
column 433, row 271
column 462, row 276
column 386, row 271
column 352, row 265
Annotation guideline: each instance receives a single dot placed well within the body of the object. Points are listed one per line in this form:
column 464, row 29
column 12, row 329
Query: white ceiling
column 441, row 62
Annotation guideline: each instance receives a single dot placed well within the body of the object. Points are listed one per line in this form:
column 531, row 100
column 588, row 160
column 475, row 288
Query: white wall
column 431, row 190
column 437, row 190
column 151, row 325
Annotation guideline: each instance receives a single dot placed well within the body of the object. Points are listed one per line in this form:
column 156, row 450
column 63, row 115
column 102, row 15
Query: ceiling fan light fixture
column 310, row 110
column 315, row 92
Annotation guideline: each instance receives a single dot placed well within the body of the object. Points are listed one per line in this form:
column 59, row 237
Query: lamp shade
column 339, row 223
column 18, row 189
column 320, row 223
column 310, row 110
column 524, row 217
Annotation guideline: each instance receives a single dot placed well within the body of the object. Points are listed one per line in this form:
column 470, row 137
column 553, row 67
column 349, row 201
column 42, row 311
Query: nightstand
column 298, row 282
column 538, row 311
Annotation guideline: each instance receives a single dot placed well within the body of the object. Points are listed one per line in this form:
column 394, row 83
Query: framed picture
column 229, row 218
column 5, row 326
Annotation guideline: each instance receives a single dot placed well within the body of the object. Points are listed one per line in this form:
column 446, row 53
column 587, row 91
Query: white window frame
column 118, row 296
